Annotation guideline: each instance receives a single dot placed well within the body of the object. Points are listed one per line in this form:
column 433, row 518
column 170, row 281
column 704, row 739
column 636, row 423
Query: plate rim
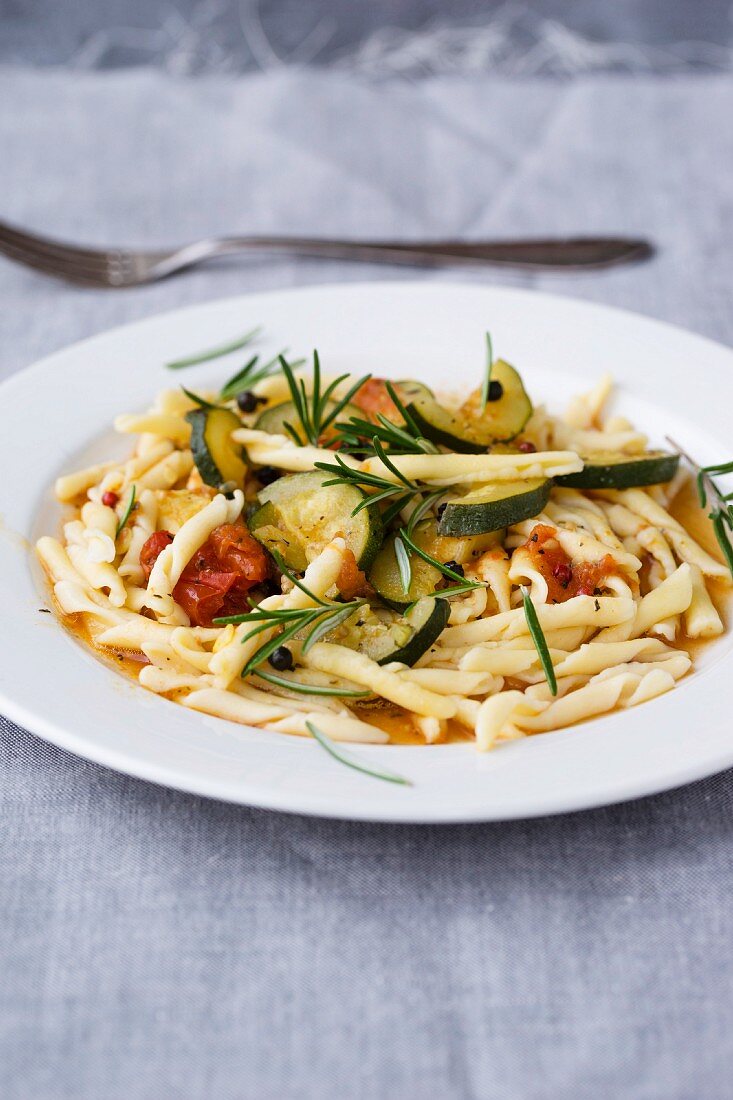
column 173, row 777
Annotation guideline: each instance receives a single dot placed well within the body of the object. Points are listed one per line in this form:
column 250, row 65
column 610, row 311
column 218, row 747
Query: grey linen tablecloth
column 153, row 944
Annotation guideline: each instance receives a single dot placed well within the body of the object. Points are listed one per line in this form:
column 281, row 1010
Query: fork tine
column 56, row 267
column 44, row 246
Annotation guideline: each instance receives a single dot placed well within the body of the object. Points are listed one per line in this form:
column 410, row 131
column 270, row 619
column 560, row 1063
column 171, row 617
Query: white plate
column 55, row 417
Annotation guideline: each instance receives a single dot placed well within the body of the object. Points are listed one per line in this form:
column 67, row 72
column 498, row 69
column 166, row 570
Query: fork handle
column 570, row 253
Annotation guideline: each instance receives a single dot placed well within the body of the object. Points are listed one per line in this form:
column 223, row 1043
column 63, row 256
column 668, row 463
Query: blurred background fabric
column 154, row 945
column 379, row 38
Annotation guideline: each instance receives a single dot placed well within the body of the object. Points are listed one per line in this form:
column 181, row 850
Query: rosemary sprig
column 444, row 569
column 127, row 512
column 486, row 382
column 422, row 509
column 330, row 620
column 253, row 372
column 355, row 431
column 403, row 564
column 456, row 590
column 310, row 689
column 384, row 457
column 318, row 410
column 350, row 762
column 280, row 563
column 200, row 401
column 394, row 509
column 705, row 475
column 722, row 515
column 216, row 353
column 405, row 438
column 345, row 475
column 318, row 621
column 540, row 643
column 719, row 521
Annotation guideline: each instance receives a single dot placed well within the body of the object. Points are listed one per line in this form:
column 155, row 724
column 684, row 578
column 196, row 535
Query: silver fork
column 126, row 267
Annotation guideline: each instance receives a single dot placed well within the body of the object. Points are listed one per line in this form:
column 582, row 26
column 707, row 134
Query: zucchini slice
column 409, row 636
column 218, row 459
column 472, row 429
column 299, row 515
column 384, row 574
column 610, row 470
column 494, row 506
column 373, row 398
column 272, row 420
column 409, row 390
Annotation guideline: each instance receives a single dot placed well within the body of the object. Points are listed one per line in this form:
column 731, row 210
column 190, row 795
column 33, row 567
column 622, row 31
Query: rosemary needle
column 215, row 353
column 403, row 564
column 486, row 383
column 200, row 401
column 127, row 512
column 350, row 762
column 722, row 515
column 539, row 640
column 310, row 689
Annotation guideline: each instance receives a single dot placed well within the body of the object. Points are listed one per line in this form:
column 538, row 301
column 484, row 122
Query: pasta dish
column 366, row 560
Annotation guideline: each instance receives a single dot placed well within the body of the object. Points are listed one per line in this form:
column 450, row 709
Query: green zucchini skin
column 439, row 426
column 429, row 617
column 473, row 430
column 299, row 511
column 274, row 418
column 217, row 458
column 494, row 508
column 623, row 471
column 401, row 637
column 384, row 576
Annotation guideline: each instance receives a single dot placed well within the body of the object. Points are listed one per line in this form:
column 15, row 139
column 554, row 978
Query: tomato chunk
column 565, row 579
column 351, row 581
column 220, row 574
column 373, row 398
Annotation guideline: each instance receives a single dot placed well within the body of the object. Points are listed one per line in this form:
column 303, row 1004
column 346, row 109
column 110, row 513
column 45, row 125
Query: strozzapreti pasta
column 386, row 563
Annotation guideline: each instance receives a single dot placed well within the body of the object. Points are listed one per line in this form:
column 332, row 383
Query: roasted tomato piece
column 373, row 398
column 152, row 548
column 239, row 552
column 351, row 581
column 565, row 579
column 220, row 574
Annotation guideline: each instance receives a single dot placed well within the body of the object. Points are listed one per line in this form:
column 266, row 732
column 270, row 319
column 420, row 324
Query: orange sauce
column 398, row 724
column 685, row 508
column 124, row 660
column 564, row 580
column 396, row 721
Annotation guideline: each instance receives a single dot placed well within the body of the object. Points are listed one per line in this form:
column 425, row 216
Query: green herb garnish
column 455, row 590
column 406, row 439
column 403, row 564
column 310, row 689
column 317, row 621
column 216, row 353
column 350, row 762
column 444, row 569
column 722, row 515
column 421, row 509
column 127, row 512
column 486, row 383
column 346, row 475
column 720, row 520
column 393, row 510
column 311, row 409
column 253, row 372
column 198, row 400
column 539, row 640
